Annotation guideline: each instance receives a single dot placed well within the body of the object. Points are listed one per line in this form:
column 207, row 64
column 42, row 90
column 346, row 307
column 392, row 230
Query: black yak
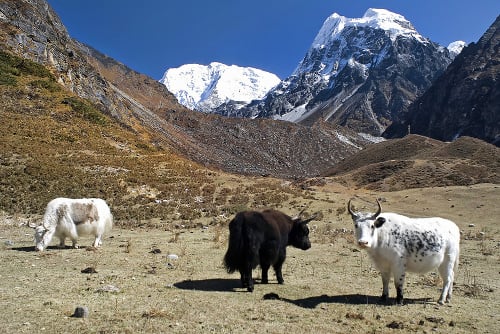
column 261, row 238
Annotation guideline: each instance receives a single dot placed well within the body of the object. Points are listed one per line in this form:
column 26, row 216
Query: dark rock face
column 371, row 80
column 465, row 100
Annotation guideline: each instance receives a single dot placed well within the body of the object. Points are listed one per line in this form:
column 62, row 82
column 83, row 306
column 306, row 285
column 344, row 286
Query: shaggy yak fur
column 260, row 238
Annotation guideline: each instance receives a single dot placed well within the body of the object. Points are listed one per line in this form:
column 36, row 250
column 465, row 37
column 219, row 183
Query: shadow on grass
column 312, row 302
column 32, row 248
column 214, row 284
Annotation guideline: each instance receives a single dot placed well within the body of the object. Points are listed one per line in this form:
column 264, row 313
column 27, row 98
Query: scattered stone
column 395, row 325
column 471, row 225
column 155, row 251
column 353, row 315
column 173, row 257
column 435, row 320
column 108, row 288
column 89, row 270
column 81, row 312
column 9, row 243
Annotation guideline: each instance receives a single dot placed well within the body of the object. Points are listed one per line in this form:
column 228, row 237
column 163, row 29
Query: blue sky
column 151, row 36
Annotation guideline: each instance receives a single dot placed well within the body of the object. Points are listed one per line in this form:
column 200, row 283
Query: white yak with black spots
column 397, row 244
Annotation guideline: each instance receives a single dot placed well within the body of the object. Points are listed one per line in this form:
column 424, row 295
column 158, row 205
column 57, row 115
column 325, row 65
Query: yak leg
column 75, row 243
column 267, row 255
column 447, row 274
column 98, row 240
column 62, row 242
column 386, row 277
column 399, row 281
column 277, row 269
column 248, row 277
column 265, row 269
column 244, row 280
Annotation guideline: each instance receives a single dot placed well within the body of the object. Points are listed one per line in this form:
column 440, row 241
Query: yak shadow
column 32, row 248
column 214, row 284
column 356, row 299
column 23, row 249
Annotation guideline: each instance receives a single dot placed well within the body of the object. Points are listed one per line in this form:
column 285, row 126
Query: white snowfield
column 203, row 87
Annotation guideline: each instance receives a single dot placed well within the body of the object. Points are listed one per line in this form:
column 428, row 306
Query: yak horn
column 349, row 208
column 300, row 214
column 305, row 221
column 379, row 210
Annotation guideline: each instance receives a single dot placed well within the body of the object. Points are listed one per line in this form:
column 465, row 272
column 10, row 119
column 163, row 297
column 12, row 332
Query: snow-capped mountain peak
column 456, row 47
column 394, row 24
column 359, row 72
column 205, row 87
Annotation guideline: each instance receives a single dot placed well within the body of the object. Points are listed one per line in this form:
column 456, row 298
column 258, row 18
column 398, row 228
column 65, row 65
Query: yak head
column 299, row 235
column 366, row 225
column 42, row 237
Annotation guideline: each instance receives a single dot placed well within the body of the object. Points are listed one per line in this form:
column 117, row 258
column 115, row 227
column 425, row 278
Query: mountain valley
column 77, row 123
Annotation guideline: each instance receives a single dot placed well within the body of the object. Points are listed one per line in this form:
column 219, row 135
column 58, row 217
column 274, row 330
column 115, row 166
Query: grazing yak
column 261, row 238
column 397, row 244
column 71, row 218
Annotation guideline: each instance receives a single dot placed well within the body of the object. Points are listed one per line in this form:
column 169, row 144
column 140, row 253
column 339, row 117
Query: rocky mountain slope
column 32, row 30
column 465, row 100
column 206, row 87
column 361, row 73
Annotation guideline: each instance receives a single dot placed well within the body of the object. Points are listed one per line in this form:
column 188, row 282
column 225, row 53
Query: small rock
column 471, row 225
column 395, row 325
column 89, row 270
column 173, row 257
column 9, row 243
column 81, row 312
column 108, row 288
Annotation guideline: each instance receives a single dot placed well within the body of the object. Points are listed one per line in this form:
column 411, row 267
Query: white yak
column 72, row 218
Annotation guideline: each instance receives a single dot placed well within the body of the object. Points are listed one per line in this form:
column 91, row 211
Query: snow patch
column 371, row 138
column 346, row 140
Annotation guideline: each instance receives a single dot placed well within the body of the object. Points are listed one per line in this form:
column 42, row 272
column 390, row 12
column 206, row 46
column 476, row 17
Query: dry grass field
column 330, row 288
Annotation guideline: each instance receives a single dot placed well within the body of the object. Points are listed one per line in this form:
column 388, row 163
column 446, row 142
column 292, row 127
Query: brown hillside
column 53, row 144
column 416, row 162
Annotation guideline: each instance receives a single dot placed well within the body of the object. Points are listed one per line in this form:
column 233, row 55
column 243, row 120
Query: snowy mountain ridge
column 205, row 87
column 344, row 53
column 394, row 24
column 361, row 73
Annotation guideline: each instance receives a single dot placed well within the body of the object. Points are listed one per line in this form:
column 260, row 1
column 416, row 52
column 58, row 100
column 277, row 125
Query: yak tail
column 236, row 246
